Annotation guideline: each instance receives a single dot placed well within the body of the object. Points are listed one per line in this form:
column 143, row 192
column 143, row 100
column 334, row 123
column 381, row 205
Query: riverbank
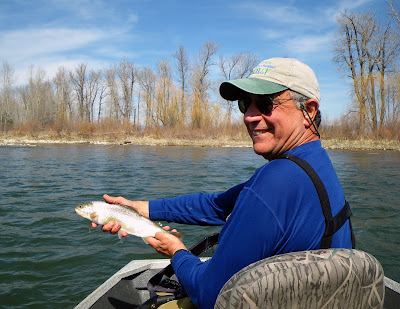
column 225, row 141
column 139, row 140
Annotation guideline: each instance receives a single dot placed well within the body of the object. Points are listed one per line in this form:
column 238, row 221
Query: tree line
column 181, row 92
column 367, row 52
column 170, row 95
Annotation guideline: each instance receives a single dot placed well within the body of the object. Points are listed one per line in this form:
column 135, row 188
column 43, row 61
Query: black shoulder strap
column 332, row 224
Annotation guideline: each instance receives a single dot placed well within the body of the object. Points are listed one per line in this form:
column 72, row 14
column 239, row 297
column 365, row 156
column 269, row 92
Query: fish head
column 86, row 210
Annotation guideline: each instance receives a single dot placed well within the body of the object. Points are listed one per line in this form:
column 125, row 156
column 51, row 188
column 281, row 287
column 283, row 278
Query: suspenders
column 332, row 224
column 162, row 281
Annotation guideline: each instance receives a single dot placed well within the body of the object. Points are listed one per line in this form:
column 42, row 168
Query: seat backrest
column 325, row 278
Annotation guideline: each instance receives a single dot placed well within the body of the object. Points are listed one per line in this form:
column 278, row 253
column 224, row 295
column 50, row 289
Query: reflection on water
column 48, row 256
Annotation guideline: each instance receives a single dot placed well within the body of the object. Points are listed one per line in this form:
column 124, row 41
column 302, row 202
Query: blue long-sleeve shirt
column 276, row 211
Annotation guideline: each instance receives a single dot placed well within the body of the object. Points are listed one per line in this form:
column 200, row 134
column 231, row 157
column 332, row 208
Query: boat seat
column 325, row 278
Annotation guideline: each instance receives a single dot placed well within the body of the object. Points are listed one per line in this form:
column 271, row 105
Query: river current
column 49, row 259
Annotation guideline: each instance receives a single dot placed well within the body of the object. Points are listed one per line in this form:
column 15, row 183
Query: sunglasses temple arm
column 312, row 122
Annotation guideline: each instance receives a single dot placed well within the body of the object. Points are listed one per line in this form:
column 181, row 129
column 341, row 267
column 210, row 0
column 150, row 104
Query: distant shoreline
column 360, row 144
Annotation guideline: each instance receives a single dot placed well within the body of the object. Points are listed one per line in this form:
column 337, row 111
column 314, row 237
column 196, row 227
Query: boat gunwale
column 132, row 267
column 136, row 266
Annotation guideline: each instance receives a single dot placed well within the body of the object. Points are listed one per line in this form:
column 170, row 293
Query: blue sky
column 49, row 34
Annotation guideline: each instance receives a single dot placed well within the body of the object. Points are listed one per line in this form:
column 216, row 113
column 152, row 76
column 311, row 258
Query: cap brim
column 233, row 90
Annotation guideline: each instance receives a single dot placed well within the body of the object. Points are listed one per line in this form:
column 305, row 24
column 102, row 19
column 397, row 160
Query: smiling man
column 287, row 205
column 279, row 100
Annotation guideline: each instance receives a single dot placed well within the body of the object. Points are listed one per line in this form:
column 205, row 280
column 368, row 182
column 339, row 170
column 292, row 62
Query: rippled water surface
column 49, row 259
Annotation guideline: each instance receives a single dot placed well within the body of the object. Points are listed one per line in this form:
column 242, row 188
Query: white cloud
column 330, row 14
column 352, row 5
column 298, row 17
column 272, row 34
column 278, row 13
column 65, row 33
column 22, row 44
column 50, row 66
column 50, row 48
column 132, row 19
column 307, row 45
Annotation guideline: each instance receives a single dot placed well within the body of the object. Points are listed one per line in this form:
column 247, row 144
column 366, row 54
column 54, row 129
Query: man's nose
column 252, row 112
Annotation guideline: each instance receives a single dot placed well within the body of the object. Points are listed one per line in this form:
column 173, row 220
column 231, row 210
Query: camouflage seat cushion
column 325, row 278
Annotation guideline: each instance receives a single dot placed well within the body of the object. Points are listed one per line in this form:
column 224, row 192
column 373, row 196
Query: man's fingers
column 176, row 233
column 109, row 226
column 111, row 199
column 116, row 227
column 152, row 241
column 116, row 200
column 106, row 227
column 173, row 232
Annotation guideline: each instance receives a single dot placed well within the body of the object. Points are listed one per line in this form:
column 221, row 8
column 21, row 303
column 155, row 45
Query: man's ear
column 312, row 107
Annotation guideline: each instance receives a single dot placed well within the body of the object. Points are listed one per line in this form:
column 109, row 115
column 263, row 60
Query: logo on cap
column 262, row 68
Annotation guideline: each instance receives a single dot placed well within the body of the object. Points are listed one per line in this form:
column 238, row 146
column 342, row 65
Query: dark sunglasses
column 265, row 104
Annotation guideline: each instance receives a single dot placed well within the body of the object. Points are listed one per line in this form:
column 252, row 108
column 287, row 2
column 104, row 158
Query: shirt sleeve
column 199, row 208
column 244, row 239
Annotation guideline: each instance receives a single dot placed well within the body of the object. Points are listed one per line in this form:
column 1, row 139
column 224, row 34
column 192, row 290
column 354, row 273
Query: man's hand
column 165, row 243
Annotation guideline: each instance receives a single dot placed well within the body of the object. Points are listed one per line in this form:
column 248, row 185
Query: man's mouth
column 258, row 132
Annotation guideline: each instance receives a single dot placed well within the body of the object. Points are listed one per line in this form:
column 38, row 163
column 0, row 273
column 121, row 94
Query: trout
column 131, row 221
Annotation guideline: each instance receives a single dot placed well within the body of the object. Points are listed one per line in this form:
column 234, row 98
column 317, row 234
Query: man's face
column 278, row 131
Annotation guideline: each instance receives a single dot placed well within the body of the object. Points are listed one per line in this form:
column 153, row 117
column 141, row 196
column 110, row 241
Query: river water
column 49, row 259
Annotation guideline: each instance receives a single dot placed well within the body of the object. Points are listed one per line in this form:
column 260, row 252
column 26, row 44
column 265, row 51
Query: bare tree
column 147, row 81
column 63, row 94
column 391, row 39
column 126, row 72
column 163, row 93
column 92, row 90
column 113, row 96
column 234, row 67
column 79, row 82
column 353, row 54
column 7, row 95
column 182, row 67
column 201, row 82
column 102, row 95
column 392, row 98
column 394, row 9
column 388, row 51
column 40, row 104
column 86, row 85
column 365, row 50
column 201, row 70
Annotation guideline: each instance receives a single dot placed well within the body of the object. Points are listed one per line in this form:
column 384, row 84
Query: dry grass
column 361, row 144
column 110, row 132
